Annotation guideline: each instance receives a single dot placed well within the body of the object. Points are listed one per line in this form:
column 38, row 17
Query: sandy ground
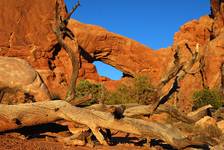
column 29, row 138
column 12, row 143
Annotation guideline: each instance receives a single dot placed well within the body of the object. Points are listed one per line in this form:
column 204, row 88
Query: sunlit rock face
column 127, row 55
column 26, row 31
column 133, row 58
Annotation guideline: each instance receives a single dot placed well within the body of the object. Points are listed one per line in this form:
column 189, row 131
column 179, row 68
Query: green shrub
column 122, row 95
column 138, row 91
column 144, row 92
column 207, row 96
column 85, row 88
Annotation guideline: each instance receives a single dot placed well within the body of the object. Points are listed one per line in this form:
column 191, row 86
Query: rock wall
column 125, row 54
column 133, row 58
column 26, row 31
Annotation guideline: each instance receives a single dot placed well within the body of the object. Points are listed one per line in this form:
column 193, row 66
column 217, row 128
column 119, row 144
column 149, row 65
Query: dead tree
column 179, row 136
column 17, row 116
column 64, row 34
column 177, row 72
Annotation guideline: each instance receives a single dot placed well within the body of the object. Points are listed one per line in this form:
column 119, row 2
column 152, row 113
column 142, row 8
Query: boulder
column 17, row 75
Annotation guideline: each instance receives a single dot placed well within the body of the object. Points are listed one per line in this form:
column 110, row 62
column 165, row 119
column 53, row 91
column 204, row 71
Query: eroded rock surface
column 133, row 58
column 123, row 53
column 16, row 74
column 26, row 32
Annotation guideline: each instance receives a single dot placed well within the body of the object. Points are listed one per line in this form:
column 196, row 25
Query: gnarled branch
column 61, row 32
column 17, row 116
column 177, row 72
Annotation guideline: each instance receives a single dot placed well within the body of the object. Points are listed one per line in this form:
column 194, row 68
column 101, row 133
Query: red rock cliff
column 26, row 32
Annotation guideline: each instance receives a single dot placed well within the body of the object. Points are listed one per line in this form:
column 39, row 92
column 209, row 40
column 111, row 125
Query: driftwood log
column 17, row 116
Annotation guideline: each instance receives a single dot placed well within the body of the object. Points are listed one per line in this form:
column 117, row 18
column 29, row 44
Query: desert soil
column 30, row 138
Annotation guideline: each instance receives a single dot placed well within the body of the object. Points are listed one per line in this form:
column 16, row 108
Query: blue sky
column 150, row 22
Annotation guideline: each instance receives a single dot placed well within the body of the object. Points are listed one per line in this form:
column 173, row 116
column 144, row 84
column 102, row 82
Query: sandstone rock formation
column 133, row 58
column 125, row 54
column 18, row 75
column 26, row 32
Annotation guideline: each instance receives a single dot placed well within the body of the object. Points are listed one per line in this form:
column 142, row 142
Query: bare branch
column 17, row 116
column 71, row 12
column 177, row 72
column 61, row 32
column 174, row 70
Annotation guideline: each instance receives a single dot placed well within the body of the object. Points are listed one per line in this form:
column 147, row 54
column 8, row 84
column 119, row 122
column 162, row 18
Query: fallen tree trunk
column 148, row 110
column 17, row 116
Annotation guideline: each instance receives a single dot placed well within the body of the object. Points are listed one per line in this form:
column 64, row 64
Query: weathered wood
column 79, row 101
column 17, row 116
column 199, row 113
column 64, row 36
column 177, row 72
column 187, row 118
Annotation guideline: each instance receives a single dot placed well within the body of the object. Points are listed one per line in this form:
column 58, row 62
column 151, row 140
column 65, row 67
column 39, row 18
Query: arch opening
column 108, row 71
